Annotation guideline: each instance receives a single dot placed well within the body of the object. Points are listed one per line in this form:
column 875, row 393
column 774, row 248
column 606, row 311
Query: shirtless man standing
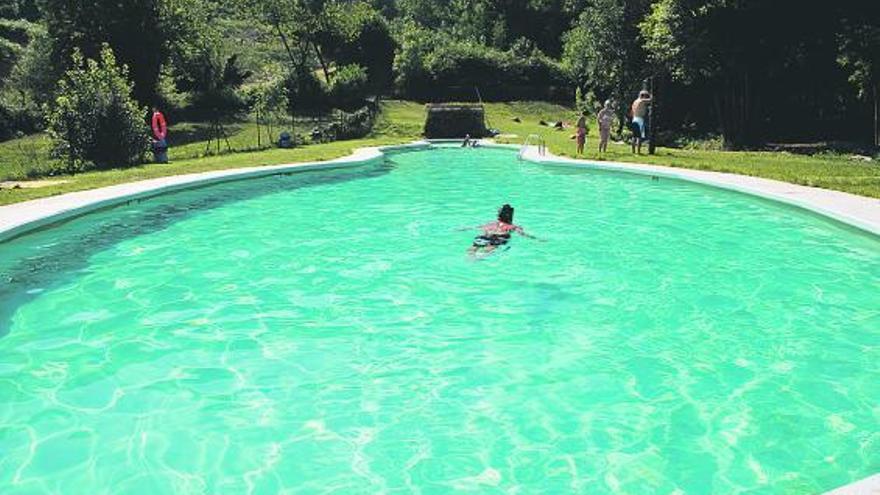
column 639, row 112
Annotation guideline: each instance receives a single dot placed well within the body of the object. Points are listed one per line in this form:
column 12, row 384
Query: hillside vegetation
column 402, row 121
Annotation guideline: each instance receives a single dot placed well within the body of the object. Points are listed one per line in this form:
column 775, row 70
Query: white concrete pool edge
column 858, row 211
column 19, row 218
column 867, row 486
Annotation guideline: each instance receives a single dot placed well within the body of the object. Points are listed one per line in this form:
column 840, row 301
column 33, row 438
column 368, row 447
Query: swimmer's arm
column 522, row 232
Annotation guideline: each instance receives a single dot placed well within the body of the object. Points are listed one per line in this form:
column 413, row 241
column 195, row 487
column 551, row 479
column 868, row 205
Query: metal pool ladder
column 532, row 140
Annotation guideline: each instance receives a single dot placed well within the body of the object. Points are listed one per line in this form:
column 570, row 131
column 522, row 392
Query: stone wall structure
column 444, row 121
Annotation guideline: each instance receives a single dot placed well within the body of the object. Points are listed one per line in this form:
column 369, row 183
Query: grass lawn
column 402, row 122
column 838, row 172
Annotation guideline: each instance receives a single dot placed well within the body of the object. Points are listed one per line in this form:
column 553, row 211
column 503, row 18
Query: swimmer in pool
column 496, row 233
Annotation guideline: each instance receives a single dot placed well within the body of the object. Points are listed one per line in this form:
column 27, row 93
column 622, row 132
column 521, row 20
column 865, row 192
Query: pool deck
column 867, row 486
column 861, row 212
column 18, row 218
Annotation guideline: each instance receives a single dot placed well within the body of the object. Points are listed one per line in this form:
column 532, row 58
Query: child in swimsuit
column 581, row 133
column 496, row 233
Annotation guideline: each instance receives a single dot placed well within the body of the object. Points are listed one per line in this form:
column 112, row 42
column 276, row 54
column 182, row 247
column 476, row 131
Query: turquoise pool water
column 324, row 332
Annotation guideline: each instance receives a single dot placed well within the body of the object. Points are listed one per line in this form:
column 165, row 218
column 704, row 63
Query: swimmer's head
column 607, row 103
column 505, row 214
column 644, row 94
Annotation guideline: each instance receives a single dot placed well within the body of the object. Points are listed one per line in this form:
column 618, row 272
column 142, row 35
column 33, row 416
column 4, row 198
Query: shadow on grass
column 201, row 132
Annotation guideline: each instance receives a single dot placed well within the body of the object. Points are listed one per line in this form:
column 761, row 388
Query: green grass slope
column 402, row 121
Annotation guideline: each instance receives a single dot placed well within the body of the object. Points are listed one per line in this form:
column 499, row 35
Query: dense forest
column 749, row 71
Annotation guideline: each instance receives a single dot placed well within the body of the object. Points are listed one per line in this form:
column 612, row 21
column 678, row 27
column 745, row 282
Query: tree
column 860, row 57
column 603, row 53
column 698, row 40
column 496, row 23
column 295, row 24
column 269, row 104
column 357, row 34
column 200, row 61
column 94, row 121
column 15, row 35
column 28, row 86
column 19, row 9
column 131, row 28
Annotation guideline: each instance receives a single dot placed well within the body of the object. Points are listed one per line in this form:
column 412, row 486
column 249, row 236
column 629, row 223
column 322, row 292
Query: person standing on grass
column 581, row 133
column 639, row 111
column 605, row 118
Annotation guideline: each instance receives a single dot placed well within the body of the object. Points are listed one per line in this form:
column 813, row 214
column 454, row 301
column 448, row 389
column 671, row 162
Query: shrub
column 94, row 121
column 350, row 86
column 267, row 100
column 416, row 44
column 305, row 92
column 358, row 34
column 25, row 89
column 31, row 78
column 356, row 124
column 18, row 116
column 14, row 37
column 428, row 63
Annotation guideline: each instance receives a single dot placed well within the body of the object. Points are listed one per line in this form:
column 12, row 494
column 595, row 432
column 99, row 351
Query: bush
column 416, row 44
column 267, row 100
column 94, row 121
column 14, row 37
column 428, row 63
column 31, row 78
column 305, row 92
column 358, row 34
column 27, row 86
column 356, row 124
column 347, row 125
column 18, row 117
column 350, row 86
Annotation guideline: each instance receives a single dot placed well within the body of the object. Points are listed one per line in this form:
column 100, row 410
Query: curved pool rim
column 17, row 219
column 46, row 212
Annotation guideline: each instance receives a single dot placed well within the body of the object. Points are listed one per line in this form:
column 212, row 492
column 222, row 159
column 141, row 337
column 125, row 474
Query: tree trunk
column 622, row 110
column 725, row 135
column 303, row 56
column 652, row 120
column 732, row 102
column 285, row 43
column 876, row 112
column 323, row 63
column 259, row 133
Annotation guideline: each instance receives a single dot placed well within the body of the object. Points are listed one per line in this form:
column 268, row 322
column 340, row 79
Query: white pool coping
column 861, row 212
column 18, row 218
column 858, row 211
column 867, row 486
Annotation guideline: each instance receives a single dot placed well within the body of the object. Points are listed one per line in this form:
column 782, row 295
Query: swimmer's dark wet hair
column 505, row 214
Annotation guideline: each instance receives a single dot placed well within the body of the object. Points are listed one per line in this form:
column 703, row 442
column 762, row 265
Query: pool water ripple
column 325, row 331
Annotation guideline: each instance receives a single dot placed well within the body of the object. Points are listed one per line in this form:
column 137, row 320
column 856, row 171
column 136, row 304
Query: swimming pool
column 324, row 331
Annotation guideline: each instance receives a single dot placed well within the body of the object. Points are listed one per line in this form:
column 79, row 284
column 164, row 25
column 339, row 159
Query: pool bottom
column 337, row 337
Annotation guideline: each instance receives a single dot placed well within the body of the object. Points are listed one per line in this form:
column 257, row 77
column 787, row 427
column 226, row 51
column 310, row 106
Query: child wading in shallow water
column 605, row 118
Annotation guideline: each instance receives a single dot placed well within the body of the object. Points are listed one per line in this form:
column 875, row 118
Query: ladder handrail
column 542, row 146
